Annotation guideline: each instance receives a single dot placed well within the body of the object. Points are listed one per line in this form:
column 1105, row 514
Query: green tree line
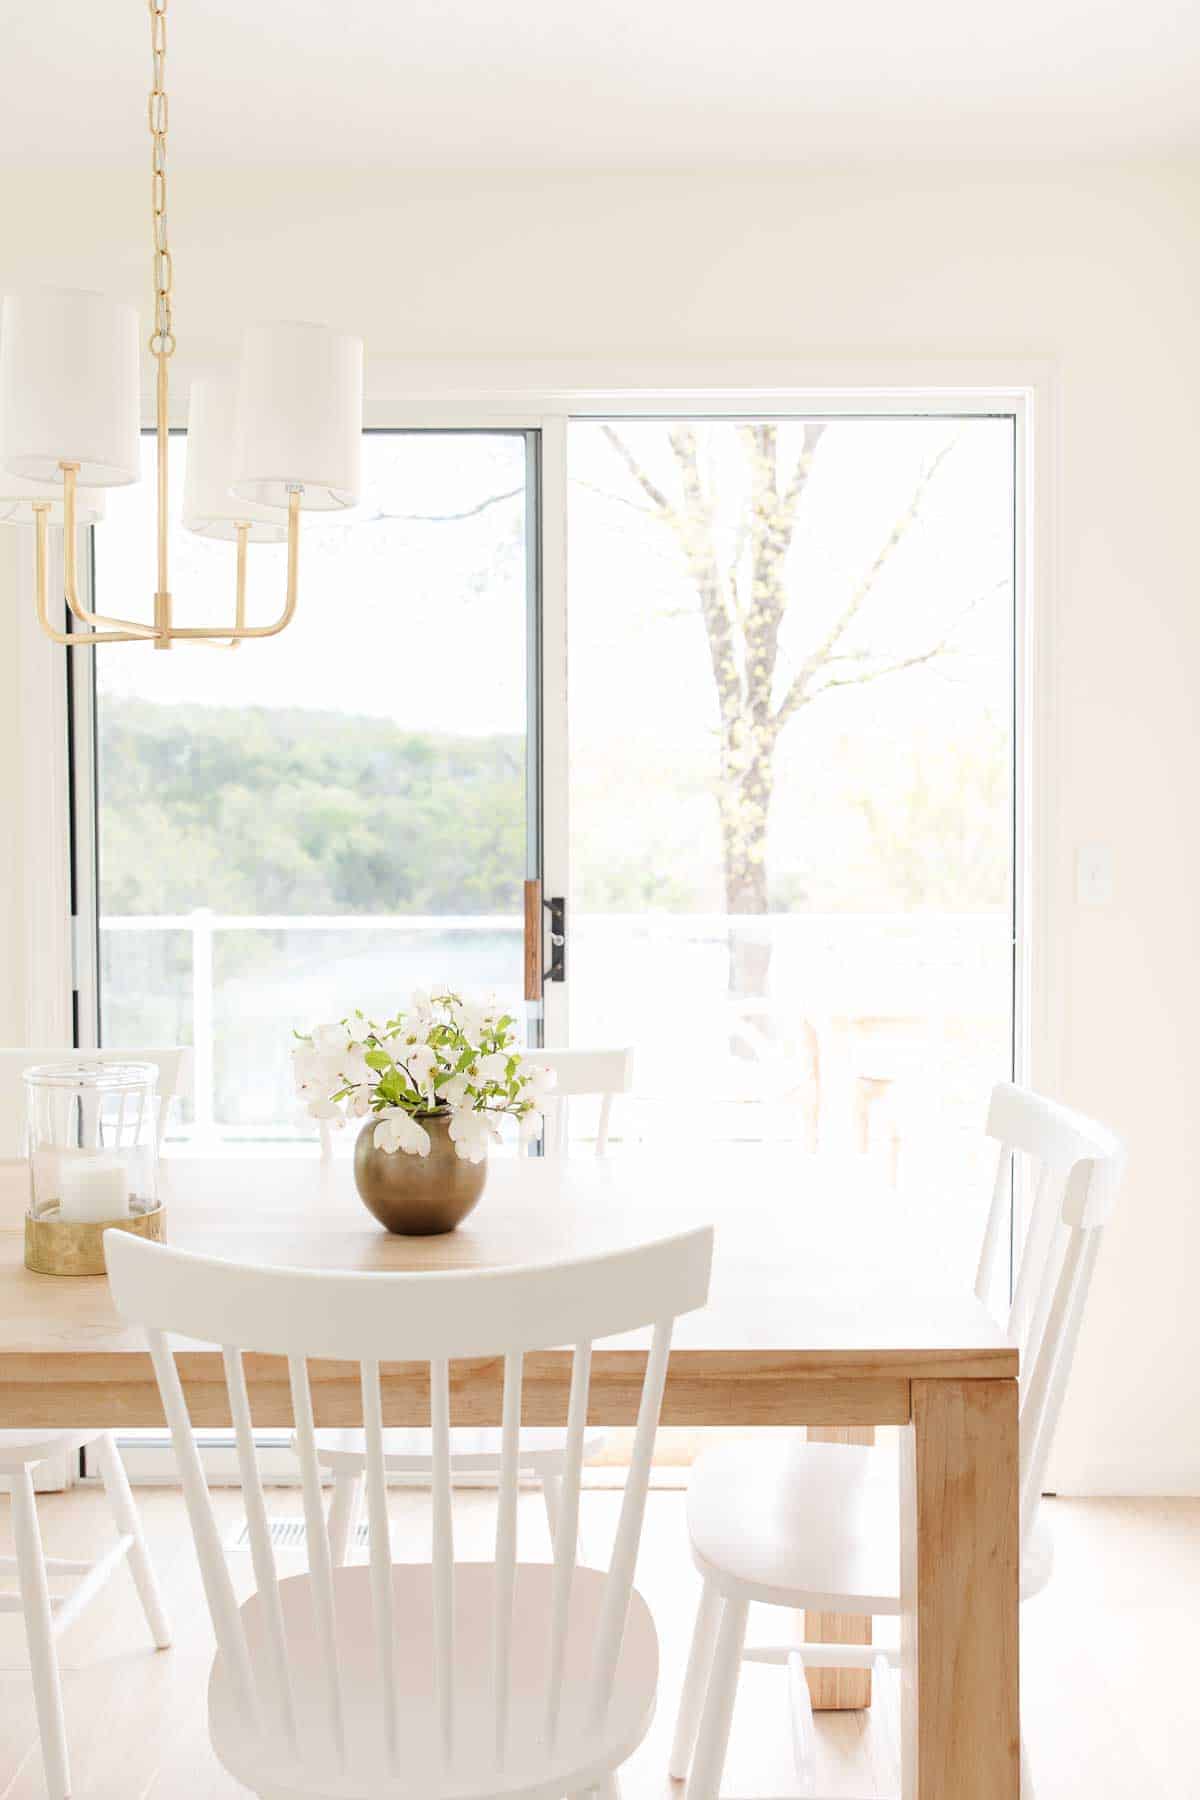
column 271, row 809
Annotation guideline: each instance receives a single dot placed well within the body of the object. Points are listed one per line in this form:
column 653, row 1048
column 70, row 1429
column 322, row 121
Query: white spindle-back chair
column 599, row 1074
column 46, row 1615
column 452, row 1679
column 174, row 1067
column 767, row 1525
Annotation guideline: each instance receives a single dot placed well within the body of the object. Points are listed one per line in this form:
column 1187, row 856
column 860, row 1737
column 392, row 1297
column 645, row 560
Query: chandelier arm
column 41, row 511
column 241, row 631
column 132, row 628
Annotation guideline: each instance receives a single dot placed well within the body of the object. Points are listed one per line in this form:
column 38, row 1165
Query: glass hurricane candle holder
column 92, row 1143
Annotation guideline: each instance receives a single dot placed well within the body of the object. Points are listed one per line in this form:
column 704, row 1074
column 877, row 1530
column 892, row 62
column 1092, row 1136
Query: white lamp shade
column 209, row 509
column 299, row 417
column 69, row 388
column 17, row 498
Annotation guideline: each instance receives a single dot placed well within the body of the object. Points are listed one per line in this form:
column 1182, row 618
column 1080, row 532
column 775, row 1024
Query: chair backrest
column 598, row 1073
column 174, row 1065
column 1076, row 1170
column 429, row 1318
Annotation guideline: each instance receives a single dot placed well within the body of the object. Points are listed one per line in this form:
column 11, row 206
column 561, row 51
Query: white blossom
column 471, row 1133
column 354, row 1067
column 538, row 1080
column 454, row 1090
column 397, row 1130
column 493, row 1066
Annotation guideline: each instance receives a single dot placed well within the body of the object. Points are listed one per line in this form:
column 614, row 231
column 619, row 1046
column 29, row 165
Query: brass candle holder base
column 55, row 1246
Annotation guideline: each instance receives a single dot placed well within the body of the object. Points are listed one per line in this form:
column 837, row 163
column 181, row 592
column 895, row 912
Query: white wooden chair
column 816, row 1526
column 455, row 1679
column 46, row 1615
column 598, row 1073
column 174, row 1065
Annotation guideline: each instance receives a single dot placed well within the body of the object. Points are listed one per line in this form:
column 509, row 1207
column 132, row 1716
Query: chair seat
column 264, row 1762
column 812, row 1525
column 472, row 1448
column 20, row 1448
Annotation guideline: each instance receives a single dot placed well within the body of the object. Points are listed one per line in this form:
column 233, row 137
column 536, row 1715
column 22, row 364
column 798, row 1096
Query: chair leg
column 343, row 1515
column 691, row 1701
column 39, row 1632
column 128, row 1523
column 713, row 1742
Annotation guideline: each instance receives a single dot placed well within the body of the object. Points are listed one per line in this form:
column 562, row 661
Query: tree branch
column 798, row 691
column 619, row 499
column 472, row 512
column 648, row 487
column 905, row 662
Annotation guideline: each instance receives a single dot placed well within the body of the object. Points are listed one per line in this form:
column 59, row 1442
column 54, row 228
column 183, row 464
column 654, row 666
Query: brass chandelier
column 284, row 437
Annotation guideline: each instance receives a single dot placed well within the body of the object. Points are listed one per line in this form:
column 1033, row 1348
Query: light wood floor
column 1108, row 1653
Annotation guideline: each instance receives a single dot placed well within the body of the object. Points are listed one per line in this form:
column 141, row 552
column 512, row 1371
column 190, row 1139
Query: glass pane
column 322, row 820
column 791, row 778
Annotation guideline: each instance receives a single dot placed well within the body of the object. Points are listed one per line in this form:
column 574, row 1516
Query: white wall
column 12, row 910
column 1098, row 270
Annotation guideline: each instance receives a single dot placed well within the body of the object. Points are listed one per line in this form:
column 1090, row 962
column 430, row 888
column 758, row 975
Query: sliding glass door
column 791, row 704
column 779, row 759
column 325, row 820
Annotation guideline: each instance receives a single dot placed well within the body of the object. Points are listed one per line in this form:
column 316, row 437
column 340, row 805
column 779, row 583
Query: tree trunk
column 745, row 798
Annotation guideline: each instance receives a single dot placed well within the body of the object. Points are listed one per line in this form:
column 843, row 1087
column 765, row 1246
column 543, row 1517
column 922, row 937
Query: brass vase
column 417, row 1196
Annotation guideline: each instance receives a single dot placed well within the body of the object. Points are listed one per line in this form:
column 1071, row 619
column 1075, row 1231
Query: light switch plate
column 1094, row 875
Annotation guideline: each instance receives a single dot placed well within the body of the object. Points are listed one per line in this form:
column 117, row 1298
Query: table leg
column 960, row 1578
column 839, row 1690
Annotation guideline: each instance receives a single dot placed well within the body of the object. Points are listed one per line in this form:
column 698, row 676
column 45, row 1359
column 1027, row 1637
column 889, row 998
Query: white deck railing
column 630, row 968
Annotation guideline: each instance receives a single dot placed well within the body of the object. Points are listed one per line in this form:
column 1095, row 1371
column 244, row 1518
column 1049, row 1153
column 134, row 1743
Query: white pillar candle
column 93, row 1187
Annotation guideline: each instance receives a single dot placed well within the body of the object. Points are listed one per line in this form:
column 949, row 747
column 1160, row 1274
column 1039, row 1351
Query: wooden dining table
column 815, row 1319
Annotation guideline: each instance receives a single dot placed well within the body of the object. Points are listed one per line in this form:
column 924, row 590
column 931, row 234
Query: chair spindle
column 382, row 1598
column 218, row 1588
column 320, row 1563
column 262, row 1554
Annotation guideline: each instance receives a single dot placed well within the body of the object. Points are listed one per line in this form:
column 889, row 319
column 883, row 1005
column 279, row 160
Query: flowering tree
column 745, row 588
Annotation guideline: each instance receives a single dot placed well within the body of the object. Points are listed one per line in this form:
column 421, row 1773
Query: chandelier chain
column 162, row 341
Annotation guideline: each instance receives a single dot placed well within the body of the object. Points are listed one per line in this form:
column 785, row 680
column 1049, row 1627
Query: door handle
column 534, row 977
column 537, row 971
column 557, row 908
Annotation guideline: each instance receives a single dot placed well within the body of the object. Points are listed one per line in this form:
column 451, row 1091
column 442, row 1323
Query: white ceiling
column 604, row 83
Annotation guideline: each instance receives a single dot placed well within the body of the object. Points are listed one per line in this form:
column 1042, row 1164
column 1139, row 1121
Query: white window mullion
column 555, row 872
